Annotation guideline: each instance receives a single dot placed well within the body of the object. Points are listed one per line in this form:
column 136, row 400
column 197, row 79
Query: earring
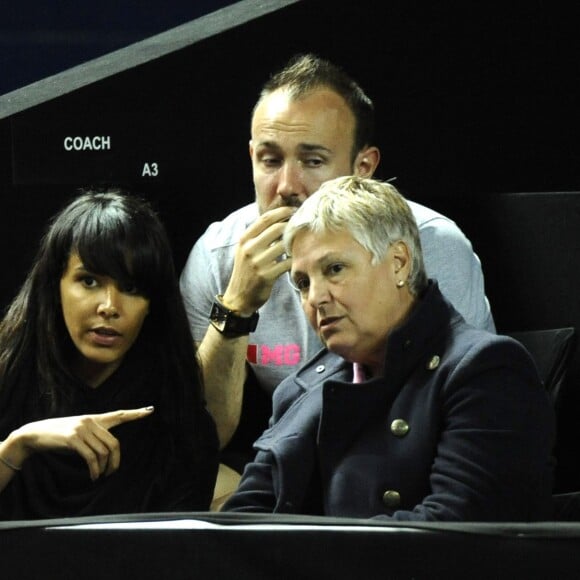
column 400, row 283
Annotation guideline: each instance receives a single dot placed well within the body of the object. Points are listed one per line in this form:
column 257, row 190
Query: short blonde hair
column 372, row 211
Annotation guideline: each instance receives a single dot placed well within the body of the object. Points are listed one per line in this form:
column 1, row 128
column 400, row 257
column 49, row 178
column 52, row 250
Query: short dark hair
column 307, row 72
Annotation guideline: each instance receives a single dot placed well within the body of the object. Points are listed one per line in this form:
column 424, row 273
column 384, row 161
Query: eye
column 88, row 281
column 301, row 283
column 270, row 160
column 334, row 269
column 313, row 162
column 129, row 288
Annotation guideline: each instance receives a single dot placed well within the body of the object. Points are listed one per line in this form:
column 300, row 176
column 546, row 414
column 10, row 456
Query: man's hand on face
column 259, row 261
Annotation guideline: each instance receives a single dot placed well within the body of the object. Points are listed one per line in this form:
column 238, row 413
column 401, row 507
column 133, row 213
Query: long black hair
column 118, row 235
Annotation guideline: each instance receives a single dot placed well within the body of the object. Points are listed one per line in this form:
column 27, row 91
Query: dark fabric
column 567, row 507
column 478, row 448
column 551, row 350
column 162, row 468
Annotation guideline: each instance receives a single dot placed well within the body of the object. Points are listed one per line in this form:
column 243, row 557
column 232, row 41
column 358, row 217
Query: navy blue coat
column 460, row 428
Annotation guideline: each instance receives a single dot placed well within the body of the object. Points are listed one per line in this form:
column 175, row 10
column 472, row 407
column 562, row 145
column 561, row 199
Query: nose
column 318, row 293
column 108, row 306
column 291, row 183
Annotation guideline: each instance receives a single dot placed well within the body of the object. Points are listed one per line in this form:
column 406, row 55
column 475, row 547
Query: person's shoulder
column 227, row 231
column 425, row 216
column 480, row 349
column 433, row 226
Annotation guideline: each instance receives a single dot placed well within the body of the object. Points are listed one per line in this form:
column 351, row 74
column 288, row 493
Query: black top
column 163, row 468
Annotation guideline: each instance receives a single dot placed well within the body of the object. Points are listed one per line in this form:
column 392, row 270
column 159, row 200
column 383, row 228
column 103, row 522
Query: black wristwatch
column 228, row 322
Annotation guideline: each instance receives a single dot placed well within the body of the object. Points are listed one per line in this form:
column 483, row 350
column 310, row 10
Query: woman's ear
column 366, row 162
column 401, row 260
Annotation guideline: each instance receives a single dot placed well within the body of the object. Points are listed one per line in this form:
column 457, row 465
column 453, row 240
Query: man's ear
column 366, row 161
column 251, row 149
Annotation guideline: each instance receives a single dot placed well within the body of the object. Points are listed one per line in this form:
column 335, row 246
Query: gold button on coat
column 399, row 427
column 433, row 362
column 392, row 498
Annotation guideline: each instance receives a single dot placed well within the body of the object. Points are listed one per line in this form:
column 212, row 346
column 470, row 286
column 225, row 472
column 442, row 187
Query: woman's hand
column 87, row 435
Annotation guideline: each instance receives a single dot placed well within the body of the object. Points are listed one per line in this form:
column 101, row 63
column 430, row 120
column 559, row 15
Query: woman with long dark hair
column 101, row 406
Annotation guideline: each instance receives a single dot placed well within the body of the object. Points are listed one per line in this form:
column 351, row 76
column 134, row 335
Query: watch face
column 217, row 313
column 229, row 323
column 218, row 317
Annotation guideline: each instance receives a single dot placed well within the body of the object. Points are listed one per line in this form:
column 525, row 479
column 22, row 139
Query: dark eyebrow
column 307, row 147
column 312, row 148
column 267, row 145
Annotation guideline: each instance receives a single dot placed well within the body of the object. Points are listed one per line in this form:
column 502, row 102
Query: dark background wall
column 39, row 39
column 472, row 103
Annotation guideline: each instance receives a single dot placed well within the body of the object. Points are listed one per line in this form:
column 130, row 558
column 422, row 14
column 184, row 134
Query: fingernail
column 150, row 408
